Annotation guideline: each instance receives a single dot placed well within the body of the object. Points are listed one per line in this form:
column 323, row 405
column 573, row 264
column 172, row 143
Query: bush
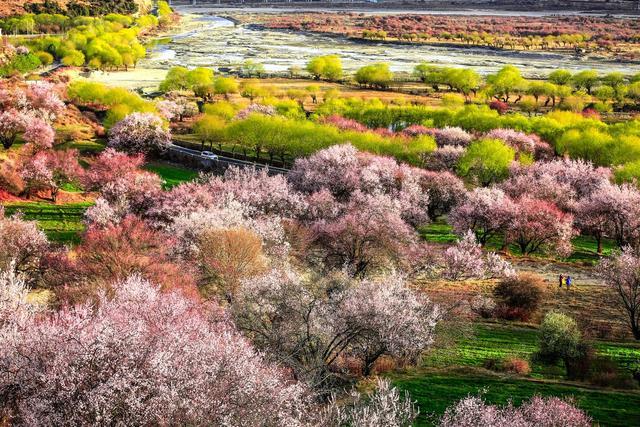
column 516, row 366
column 579, row 365
column 509, row 364
column 519, row 296
column 499, row 106
column 605, row 373
column 483, row 306
column 560, row 338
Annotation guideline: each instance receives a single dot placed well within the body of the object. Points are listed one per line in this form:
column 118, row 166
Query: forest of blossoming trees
column 399, row 265
column 509, row 32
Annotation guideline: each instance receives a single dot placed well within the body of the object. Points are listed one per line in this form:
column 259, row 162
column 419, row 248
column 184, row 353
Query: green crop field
column 170, row 174
column 61, row 223
column 449, row 374
column 436, row 390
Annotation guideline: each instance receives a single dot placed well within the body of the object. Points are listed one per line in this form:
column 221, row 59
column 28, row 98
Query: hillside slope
column 13, row 7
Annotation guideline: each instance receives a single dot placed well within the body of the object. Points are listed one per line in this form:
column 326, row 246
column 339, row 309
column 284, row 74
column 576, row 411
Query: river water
column 212, row 41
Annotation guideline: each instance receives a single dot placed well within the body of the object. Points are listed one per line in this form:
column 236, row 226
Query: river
column 212, row 41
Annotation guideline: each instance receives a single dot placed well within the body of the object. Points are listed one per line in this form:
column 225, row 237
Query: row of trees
column 560, row 89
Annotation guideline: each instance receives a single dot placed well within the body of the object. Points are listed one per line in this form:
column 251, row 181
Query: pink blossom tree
column 38, row 133
column 141, row 357
column 265, row 110
column 109, row 166
column 22, row 246
column 129, row 195
column 538, row 225
column 44, row 100
column 29, row 112
column 467, row 260
column 542, row 187
column 336, row 168
column 343, row 123
column 444, row 158
column 592, row 218
column 445, row 191
column 311, row 324
column 169, row 110
column 49, row 170
column 454, row 136
column 140, row 133
column 370, row 234
column 486, row 211
column 617, row 207
column 537, row 412
column 12, row 124
column 343, row 171
column 256, row 189
column 582, row 177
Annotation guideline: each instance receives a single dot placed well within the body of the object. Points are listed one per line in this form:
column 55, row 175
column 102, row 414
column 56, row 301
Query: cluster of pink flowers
column 451, row 136
column 266, row 110
column 537, row 412
column 140, row 133
column 343, row 123
column 467, row 260
column 84, row 364
column 532, row 224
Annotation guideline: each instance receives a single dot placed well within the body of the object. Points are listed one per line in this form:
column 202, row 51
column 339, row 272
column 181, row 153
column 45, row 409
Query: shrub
column 499, row 106
column 538, row 412
column 605, row 373
column 483, row 306
column 519, row 296
column 579, row 366
column 560, row 338
column 516, row 366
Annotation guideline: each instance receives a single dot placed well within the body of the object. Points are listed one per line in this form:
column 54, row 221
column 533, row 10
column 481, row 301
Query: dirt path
column 551, row 270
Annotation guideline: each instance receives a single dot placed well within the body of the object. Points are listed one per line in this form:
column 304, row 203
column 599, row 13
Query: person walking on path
column 561, row 282
column 569, row 281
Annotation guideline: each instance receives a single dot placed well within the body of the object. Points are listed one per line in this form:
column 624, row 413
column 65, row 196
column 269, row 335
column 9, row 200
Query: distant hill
column 13, row 7
column 613, row 6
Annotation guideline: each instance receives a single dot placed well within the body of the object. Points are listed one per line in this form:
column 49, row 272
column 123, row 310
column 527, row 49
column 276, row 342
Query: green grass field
column 61, row 223
column 449, row 374
column 170, row 174
column 496, row 341
column 435, row 391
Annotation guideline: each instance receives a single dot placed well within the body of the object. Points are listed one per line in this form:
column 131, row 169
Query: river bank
column 214, row 41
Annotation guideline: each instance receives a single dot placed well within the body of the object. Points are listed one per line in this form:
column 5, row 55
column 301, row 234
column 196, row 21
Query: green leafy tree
column 74, row 58
column 225, row 86
column 586, row 80
column 506, row 82
column 486, row 161
column 251, row 68
column 211, row 130
column 374, row 75
column 560, row 77
column 327, row 67
column 589, row 144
